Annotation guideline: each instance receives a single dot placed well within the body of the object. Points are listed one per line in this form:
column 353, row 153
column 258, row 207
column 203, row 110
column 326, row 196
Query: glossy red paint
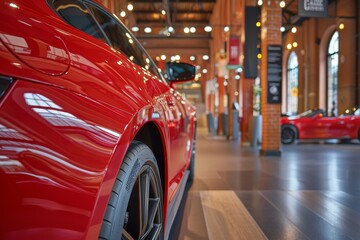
column 315, row 125
column 67, row 120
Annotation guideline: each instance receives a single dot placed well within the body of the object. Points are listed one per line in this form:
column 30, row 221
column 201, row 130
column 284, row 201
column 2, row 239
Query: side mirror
column 179, row 71
column 319, row 115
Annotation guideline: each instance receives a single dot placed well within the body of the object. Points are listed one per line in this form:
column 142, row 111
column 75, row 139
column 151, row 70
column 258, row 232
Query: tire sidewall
column 137, row 157
column 290, row 128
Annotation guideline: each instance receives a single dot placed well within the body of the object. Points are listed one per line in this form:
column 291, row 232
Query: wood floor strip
column 227, row 218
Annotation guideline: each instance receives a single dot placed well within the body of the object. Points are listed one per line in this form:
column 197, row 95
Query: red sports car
column 94, row 142
column 313, row 124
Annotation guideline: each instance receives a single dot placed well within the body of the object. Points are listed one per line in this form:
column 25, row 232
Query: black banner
column 274, row 73
column 251, row 42
column 313, row 8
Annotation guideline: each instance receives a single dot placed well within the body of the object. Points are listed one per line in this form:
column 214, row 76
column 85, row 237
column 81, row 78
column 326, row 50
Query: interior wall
column 313, row 37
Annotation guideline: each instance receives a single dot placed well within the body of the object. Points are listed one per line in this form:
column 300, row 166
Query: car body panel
column 66, row 123
column 320, row 127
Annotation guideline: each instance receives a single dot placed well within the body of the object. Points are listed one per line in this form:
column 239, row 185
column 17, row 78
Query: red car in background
column 94, row 142
column 313, row 124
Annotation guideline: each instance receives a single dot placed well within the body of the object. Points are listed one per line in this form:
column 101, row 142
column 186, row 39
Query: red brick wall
column 270, row 35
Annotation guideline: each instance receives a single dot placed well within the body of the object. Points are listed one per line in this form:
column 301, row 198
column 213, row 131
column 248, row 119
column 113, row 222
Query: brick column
column 248, row 98
column 270, row 35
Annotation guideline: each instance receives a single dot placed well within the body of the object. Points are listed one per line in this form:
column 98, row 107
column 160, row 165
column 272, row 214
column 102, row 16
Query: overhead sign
column 313, row 8
column 274, row 73
column 251, row 49
column 234, row 51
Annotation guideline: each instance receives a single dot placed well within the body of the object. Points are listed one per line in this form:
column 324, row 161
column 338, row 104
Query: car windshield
column 311, row 113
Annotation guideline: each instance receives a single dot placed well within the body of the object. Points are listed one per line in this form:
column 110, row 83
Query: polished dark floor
column 311, row 192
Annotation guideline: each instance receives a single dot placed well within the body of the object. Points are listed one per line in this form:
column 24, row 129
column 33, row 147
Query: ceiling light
column 122, row 14
column 208, row 29
column 293, row 29
column 163, row 12
column 130, row 7
column 177, row 57
column 135, row 29
column 341, row 26
column 186, row 30
column 148, row 30
column 282, row 4
column 192, row 58
column 282, row 29
column 289, row 46
column 170, row 29
column 192, row 29
column 260, row 2
column 295, row 44
column 205, row 57
column 204, row 71
column 226, row 29
column 163, row 57
column 258, row 24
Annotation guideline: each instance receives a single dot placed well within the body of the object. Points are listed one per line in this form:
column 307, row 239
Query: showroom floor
column 311, row 192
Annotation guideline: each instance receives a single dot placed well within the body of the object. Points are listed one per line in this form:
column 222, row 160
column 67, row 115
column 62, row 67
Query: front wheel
column 288, row 134
column 135, row 208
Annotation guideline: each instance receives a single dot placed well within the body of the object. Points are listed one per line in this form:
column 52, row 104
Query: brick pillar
column 221, row 109
column 248, row 98
column 270, row 35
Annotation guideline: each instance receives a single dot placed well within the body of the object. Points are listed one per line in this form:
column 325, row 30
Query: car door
column 180, row 134
column 318, row 127
column 174, row 106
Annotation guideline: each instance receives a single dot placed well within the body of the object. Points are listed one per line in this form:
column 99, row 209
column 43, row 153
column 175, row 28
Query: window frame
column 290, row 68
column 331, row 104
column 86, row 3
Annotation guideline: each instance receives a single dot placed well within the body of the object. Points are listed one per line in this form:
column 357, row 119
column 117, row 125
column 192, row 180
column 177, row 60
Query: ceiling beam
column 178, row 12
column 173, row 1
column 188, row 22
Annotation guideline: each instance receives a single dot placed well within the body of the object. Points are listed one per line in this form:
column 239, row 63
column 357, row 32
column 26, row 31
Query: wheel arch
column 150, row 135
column 292, row 126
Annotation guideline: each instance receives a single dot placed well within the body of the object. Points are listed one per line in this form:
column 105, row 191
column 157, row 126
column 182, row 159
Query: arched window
column 332, row 75
column 292, row 84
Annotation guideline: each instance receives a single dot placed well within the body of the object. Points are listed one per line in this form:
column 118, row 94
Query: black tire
column 134, row 210
column 288, row 134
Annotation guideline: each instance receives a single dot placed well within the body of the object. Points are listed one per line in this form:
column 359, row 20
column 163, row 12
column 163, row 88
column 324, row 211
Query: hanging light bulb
column 208, row 29
column 130, row 7
column 282, row 4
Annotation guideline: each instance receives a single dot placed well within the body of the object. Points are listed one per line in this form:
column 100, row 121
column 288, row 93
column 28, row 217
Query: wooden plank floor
column 227, row 218
column 311, row 192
